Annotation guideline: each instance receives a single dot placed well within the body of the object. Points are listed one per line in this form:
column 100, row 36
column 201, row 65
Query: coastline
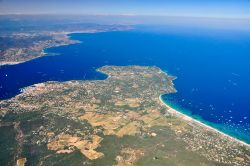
column 43, row 53
column 188, row 118
column 9, row 63
column 176, row 112
column 65, row 34
column 192, row 120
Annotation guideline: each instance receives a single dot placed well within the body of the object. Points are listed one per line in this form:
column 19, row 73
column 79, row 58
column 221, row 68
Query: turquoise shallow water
column 219, row 127
column 212, row 66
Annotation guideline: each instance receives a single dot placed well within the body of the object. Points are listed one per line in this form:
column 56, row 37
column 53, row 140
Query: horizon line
column 124, row 15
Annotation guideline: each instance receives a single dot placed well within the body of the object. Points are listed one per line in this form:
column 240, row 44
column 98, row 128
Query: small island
column 117, row 121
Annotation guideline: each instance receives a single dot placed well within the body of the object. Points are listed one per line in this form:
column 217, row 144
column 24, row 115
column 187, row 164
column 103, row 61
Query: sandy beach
column 192, row 120
column 9, row 63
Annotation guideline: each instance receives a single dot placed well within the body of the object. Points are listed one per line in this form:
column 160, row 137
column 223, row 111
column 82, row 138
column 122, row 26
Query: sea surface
column 212, row 66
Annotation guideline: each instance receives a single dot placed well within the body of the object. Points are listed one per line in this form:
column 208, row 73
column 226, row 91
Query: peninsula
column 24, row 45
column 117, row 121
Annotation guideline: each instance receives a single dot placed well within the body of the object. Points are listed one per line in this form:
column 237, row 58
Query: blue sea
column 212, row 68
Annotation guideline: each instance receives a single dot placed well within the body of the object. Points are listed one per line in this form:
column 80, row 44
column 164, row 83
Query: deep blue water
column 212, row 66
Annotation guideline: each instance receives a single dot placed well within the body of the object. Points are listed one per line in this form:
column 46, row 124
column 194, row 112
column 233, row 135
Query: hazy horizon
column 174, row 21
column 187, row 8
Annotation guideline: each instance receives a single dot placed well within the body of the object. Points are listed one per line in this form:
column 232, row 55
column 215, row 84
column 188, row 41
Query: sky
column 194, row 8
